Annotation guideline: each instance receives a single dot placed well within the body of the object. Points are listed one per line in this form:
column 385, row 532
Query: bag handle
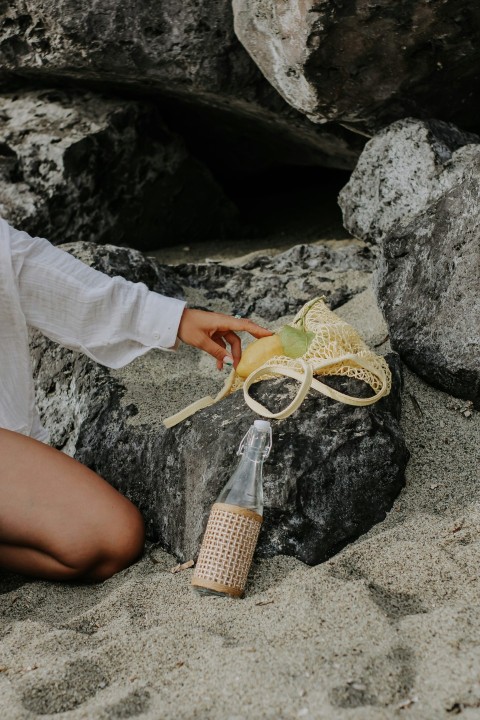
column 201, row 404
column 305, row 378
column 351, row 399
column 308, row 381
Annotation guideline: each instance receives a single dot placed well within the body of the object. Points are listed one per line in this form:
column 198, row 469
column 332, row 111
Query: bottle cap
column 262, row 425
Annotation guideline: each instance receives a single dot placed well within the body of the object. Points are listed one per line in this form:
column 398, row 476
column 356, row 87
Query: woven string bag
column 336, row 349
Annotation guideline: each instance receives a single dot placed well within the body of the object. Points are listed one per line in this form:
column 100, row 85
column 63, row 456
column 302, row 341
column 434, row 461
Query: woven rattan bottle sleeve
column 227, row 549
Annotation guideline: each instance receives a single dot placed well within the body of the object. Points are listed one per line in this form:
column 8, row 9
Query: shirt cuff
column 159, row 321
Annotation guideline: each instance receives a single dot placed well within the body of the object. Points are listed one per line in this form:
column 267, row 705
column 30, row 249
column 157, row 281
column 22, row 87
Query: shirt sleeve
column 110, row 319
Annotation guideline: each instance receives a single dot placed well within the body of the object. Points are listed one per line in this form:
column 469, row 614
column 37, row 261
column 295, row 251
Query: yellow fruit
column 289, row 341
column 259, row 352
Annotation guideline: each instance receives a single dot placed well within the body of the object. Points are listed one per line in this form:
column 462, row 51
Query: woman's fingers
column 209, row 331
column 221, row 342
column 235, row 346
column 243, row 325
column 217, row 351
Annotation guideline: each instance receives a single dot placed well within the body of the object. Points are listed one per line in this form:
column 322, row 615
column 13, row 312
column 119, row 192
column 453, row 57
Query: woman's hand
column 211, row 331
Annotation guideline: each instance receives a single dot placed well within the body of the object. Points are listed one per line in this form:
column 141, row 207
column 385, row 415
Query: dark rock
column 415, row 189
column 131, row 264
column 238, row 141
column 82, row 167
column 334, row 472
column 69, row 389
column 366, row 64
column 187, row 51
column 401, row 171
column 275, row 286
column 428, row 285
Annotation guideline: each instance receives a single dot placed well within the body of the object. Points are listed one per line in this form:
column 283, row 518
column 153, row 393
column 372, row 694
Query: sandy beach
column 388, row 628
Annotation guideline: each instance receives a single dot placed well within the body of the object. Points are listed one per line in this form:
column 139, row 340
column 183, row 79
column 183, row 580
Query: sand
column 388, row 628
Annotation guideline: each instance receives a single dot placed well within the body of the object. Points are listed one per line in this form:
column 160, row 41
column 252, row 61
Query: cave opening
column 278, row 207
column 166, row 173
column 289, row 201
column 281, row 194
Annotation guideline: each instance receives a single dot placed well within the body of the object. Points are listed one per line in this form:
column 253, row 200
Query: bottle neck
column 250, row 465
column 252, row 455
column 245, row 487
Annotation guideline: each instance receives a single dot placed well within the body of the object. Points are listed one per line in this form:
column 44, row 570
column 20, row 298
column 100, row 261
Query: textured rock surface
column 187, row 51
column 130, row 263
column 274, row 287
column 334, row 473
column 367, row 63
column 82, row 167
column 428, row 285
column 401, row 170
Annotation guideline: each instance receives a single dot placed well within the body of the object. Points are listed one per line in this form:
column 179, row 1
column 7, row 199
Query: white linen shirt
column 110, row 319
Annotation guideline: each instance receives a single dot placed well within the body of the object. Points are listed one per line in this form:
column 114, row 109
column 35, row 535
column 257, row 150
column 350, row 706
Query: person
column 59, row 520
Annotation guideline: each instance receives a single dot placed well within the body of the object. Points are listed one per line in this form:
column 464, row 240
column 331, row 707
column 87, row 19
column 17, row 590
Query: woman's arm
column 112, row 320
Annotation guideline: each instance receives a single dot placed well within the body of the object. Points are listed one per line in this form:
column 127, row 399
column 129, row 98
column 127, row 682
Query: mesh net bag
column 336, row 349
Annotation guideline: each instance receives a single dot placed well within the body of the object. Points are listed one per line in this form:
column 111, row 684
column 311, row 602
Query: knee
column 122, row 549
column 113, row 550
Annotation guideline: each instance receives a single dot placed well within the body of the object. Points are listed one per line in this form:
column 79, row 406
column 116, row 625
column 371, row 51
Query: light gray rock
column 367, row 64
column 401, row 171
column 428, row 286
column 334, row 472
column 186, row 51
column 69, row 388
column 83, row 167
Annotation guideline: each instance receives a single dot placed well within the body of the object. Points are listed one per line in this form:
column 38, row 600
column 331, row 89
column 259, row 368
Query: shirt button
column 156, row 336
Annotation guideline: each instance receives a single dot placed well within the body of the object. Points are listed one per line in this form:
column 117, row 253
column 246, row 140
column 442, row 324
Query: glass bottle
column 235, row 520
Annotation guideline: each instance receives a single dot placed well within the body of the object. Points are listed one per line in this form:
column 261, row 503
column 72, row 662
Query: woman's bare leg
column 58, row 519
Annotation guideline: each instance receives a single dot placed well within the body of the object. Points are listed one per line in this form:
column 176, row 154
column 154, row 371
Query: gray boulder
column 401, row 171
column 366, row 64
column 428, row 286
column 334, row 472
column 185, row 51
column 83, row 167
